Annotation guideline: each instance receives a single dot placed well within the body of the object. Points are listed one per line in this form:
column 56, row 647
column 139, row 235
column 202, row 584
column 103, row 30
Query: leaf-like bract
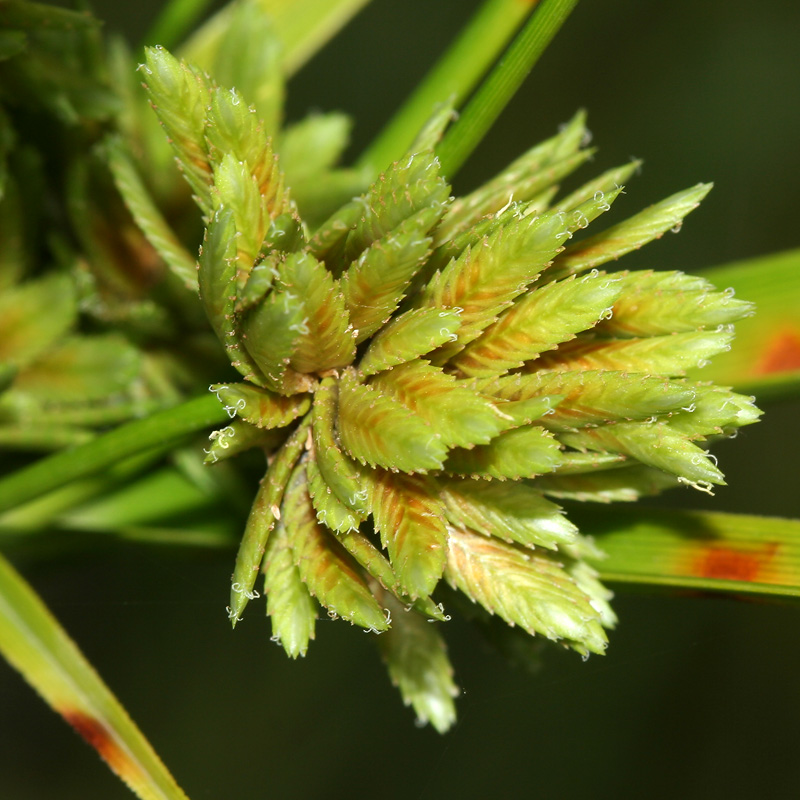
column 34, row 316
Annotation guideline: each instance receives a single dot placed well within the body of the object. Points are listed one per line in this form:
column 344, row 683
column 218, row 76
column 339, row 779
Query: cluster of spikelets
column 427, row 375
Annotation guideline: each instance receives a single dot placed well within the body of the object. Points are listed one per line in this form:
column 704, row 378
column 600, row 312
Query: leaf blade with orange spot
column 34, row 643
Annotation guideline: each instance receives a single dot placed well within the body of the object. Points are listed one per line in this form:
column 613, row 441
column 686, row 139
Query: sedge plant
column 408, row 388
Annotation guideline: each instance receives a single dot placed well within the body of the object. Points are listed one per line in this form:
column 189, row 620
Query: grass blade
column 35, row 644
column 707, row 551
column 766, row 358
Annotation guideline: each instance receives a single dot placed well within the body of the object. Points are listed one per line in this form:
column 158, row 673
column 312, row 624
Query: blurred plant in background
column 426, row 375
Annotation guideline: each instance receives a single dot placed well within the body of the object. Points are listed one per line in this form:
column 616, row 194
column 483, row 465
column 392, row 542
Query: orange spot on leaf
column 782, row 354
column 727, row 563
column 100, row 738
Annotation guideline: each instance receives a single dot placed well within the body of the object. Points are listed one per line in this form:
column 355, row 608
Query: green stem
column 504, row 80
column 174, row 22
column 127, row 440
column 451, row 79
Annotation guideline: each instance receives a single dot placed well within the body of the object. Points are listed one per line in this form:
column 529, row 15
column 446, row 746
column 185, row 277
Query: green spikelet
column 430, row 375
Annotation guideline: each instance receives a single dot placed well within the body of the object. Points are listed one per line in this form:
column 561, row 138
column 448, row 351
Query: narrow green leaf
column 708, row 551
column 515, row 512
column 303, row 27
column 410, row 519
column 638, row 230
column 380, row 431
column 451, row 79
column 35, row 644
column 766, row 359
column 502, row 83
column 408, row 336
column 461, row 417
column 416, row 657
column 525, row 177
column 325, row 568
column 263, row 515
column 38, row 437
column 524, row 587
column 159, row 429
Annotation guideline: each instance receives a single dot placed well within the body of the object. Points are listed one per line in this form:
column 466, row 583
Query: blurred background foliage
column 696, row 698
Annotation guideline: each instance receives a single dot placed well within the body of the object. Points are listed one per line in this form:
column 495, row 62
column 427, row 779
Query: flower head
column 430, row 376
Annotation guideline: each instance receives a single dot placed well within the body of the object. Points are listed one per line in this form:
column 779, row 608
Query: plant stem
column 504, row 80
column 127, row 440
column 451, row 79
column 176, row 19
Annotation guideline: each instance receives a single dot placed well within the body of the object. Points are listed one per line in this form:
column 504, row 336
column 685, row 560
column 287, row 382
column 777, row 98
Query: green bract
column 426, row 375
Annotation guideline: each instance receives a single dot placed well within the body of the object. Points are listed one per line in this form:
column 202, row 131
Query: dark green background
column 697, row 698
